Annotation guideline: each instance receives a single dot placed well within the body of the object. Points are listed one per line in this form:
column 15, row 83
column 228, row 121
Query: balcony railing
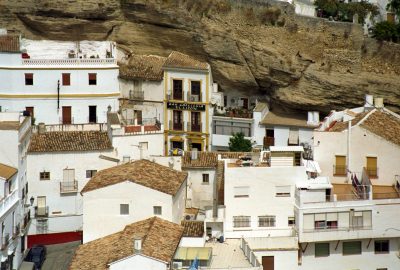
column 5, row 241
column 69, row 62
column 16, row 231
column 336, row 228
column 68, row 187
column 136, row 95
column 193, row 98
column 194, row 127
column 27, row 218
column 66, row 122
column 269, row 141
column 42, row 211
column 175, row 126
column 339, row 170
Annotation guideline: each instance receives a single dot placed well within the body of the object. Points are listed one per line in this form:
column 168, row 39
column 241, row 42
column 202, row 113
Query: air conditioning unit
column 190, row 217
column 177, row 265
column 194, row 98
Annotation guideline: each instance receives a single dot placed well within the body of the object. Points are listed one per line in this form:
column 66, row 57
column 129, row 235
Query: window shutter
column 331, row 217
column 308, row 221
column 241, row 191
column 92, row 76
column 66, row 79
column 344, row 220
column 28, row 75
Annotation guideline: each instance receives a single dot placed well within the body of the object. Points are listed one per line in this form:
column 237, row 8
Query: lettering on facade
column 186, row 106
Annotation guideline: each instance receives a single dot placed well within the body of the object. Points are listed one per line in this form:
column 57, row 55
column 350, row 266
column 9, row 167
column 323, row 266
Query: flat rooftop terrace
column 345, row 192
column 228, row 255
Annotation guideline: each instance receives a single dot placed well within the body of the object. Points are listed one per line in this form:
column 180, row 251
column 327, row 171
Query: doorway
column 196, row 146
column 66, row 115
column 92, row 114
column 268, row 262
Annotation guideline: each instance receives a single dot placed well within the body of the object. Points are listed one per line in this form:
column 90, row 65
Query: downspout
column 58, row 95
column 348, row 152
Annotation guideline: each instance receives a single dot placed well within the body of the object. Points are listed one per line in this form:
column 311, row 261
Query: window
column 241, row 192
column 177, row 89
column 44, row 175
column 124, row 209
column 321, row 249
column 266, row 221
column 157, row 210
column 195, row 88
column 90, row 173
column 291, row 221
column 206, row 179
column 293, row 136
column 352, row 248
column 241, row 221
column 92, row 78
column 28, row 78
column 372, row 167
column 340, row 166
column 66, row 79
column 178, row 120
column 143, row 145
column 225, row 101
column 282, row 191
column 381, row 246
column 195, row 121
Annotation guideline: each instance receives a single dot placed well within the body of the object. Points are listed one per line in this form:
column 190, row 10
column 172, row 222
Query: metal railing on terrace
column 69, row 62
column 68, row 186
column 336, row 228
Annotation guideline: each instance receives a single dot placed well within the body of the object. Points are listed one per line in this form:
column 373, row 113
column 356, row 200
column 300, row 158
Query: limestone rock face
column 255, row 47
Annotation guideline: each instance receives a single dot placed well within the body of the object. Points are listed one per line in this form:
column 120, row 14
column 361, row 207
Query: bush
column 270, row 15
column 238, row 143
column 387, row 31
column 345, row 11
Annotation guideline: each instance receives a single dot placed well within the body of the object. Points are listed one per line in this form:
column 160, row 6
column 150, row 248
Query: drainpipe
column 348, row 157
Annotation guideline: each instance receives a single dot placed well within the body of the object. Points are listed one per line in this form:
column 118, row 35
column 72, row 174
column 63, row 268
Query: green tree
column 386, row 31
column 238, row 143
column 394, row 6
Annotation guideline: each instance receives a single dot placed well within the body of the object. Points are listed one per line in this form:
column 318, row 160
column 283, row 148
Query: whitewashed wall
column 128, row 145
column 138, row 262
column 198, row 193
column 102, row 206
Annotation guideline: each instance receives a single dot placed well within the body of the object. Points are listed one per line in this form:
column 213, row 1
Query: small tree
column 394, row 6
column 238, row 143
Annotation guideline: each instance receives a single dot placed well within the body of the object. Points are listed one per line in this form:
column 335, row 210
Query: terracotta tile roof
column 6, row 171
column 193, row 228
column 9, row 125
column 280, row 118
column 142, row 172
column 60, row 141
column 146, row 67
column 204, row 160
column 180, row 60
column 233, row 155
column 9, row 43
column 342, row 126
column 384, row 125
column 160, row 239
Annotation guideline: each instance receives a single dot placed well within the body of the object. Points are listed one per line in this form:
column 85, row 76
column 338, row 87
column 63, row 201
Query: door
column 41, row 205
column 66, row 115
column 138, row 117
column 268, row 262
column 92, row 114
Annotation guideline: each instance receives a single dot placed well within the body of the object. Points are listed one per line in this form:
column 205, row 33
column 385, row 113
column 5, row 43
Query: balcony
column 136, row 95
column 7, row 202
column 175, row 126
column 236, row 113
column 176, row 95
column 193, row 98
column 193, row 127
column 269, row 141
column 68, row 186
column 16, row 231
column 42, row 211
column 27, row 219
column 339, row 170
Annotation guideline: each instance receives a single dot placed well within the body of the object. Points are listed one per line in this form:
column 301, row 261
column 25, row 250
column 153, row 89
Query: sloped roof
column 9, row 43
column 9, row 125
column 342, row 126
column 280, row 118
column 180, row 60
column 204, row 160
column 146, row 67
column 384, row 125
column 69, row 141
column 142, row 172
column 193, row 228
column 160, row 239
column 6, row 171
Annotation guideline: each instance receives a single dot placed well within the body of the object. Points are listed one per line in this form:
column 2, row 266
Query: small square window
column 266, row 221
column 321, row 249
column 241, row 192
column 291, row 221
column 206, row 179
column 44, row 175
column 352, row 248
column 90, row 173
column 124, row 209
column 157, row 210
column 381, row 246
column 28, row 78
column 92, row 78
column 66, row 79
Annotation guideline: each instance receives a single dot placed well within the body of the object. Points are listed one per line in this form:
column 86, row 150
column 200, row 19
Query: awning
column 177, row 139
column 190, row 253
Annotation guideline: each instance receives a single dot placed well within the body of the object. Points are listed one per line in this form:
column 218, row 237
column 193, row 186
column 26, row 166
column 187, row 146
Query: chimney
column 137, row 245
column 379, row 103
column 369, row 101
column 41, row 128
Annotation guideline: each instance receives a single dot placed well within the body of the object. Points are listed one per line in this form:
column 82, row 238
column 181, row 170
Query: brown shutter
column 28, row 75
column 66, row 79
column 92, row 76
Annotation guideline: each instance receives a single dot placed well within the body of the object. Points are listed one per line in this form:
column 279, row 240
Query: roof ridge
column 364, row 118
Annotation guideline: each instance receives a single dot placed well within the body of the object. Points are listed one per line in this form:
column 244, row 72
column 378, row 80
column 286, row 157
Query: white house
column 59, row 81
column 372, row 144
column 188, row 87
column 14, row 206
column 60, row 163
column 131, row 192
column 345, row 226
column 146, row 244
